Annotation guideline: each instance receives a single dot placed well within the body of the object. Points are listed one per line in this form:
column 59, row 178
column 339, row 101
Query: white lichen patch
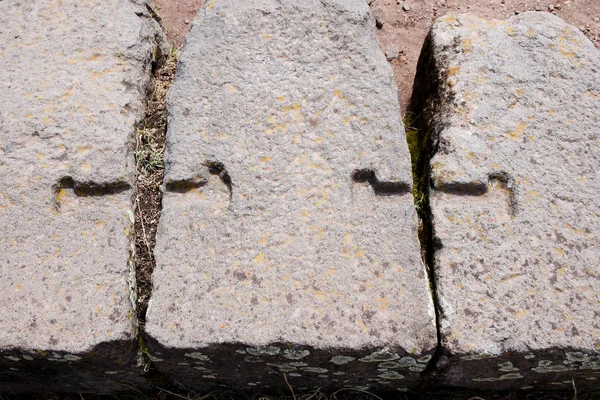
column 197, row 356
column 392, row 375
column 71, row 357
column 380, row 356
column 295, row 354
column 514, row 375
column 425, row 359
column 507, row 367
column 11, row 358
column 315, row 370
column 546, row 367
column 111, row 372
column 341, row 360
column 28, row 358
column 264, row 351
column 388, row 364
column 405, row 362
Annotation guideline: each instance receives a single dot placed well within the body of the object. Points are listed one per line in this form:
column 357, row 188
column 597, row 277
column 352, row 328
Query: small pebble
column 551, row 7
column 187, row 21
column 406, row 7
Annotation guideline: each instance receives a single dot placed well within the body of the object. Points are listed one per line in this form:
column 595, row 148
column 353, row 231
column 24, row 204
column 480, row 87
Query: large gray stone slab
column 73, row 79
column 514, row 108
column 288, row 239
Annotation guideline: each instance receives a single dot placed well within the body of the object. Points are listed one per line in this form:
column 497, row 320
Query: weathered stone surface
column 288, row 240
column 514, row 108
column 73, row 77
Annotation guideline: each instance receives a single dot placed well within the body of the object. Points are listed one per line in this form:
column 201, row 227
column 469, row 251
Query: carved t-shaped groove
column 480, row 188
column 85, row 189
column 380, row 188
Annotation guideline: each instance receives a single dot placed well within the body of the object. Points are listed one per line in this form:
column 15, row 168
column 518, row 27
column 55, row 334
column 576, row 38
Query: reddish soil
column 404, row 24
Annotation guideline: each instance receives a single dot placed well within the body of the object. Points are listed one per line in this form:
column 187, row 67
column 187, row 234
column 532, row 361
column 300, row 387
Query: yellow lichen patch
column 559, row 251
column 349, row 119
column 319, row 139
column 280, row 98
column 452, row 71
column 521, row 313
column 233, row 88
column 48, row 121
column 323, row 199
column 86, row 166
column 60, row 195
column 520, row 92
column 82, row 149
column 265, row 159
column 363, row 327
column 259, row 259
column 98, row 287
column 589, row 93
column 467, row 44
column 18, row 287
column 519, row 130
column 510, row 31
column 266, row 36
column 211, row 4
column 450, row 19
column 383, row 303
column 337, row 93
column 264, row 239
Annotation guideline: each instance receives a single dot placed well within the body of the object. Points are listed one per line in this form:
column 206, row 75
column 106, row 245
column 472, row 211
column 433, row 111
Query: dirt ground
column 403, row 25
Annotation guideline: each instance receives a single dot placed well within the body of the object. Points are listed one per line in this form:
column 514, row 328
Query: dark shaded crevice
column 381, row 188
column 150, row 139
column 420, row 122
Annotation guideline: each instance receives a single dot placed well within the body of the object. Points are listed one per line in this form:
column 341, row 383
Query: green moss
column 418, row 143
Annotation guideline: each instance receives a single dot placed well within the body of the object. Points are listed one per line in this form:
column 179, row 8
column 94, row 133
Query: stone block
column 288, row 239
column 73, row 79
column 513, row 109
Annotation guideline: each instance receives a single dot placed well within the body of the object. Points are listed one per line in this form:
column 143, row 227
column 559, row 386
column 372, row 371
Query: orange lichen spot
column 259, row 259
column 98, row 287
column 18, row 287
column 211, row 4
column 86, row 166
column 71, row 61
column 520, row 92
column 94, row 57
column 264, row 240
column 266, row 36
column 233, row 88
column 48, row 121
column 519, row 130
column 450, row 19
column 467, row 45
column 452, row 71
column 559, row 251
column 337, row 93
column 83, row 149
column 265, row 159
column 280, row 98
column 383, row 303
column 589, row 93
column 521, row 313
column 319, row 139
